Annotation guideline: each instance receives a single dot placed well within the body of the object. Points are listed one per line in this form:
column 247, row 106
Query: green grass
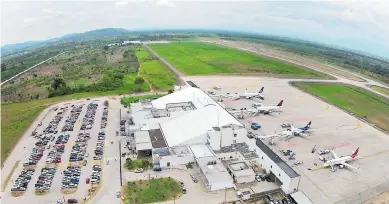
column 364, row 103
column 155, row 190
column 380, row 89
column 131, row 99
column 154, row 71
column 83, row 81
column 206, row 58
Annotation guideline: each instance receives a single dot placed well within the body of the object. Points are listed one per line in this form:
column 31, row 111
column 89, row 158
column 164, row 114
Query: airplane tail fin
column 308, row 125
column 245, row 91
column 280, row 103
column 355, row 153
column 261, row 91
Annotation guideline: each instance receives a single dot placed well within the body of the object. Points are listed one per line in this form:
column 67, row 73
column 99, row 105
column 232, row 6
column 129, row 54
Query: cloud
column 121, row 3
column 29, row 20
column 165, row 3
column 52, row 12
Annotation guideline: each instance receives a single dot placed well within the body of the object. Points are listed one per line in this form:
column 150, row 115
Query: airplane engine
column 341, row 166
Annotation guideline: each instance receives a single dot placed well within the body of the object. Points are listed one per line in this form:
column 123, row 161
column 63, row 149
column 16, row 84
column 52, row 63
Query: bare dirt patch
column 116, row 57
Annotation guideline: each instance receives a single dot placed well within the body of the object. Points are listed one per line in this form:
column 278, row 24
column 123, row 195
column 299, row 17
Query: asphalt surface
column 331, row 128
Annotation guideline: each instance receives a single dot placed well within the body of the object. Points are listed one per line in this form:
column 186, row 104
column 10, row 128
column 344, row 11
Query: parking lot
column 62, row 153
column 331, row 128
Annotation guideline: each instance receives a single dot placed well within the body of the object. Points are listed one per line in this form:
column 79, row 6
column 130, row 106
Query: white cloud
column 165, row 3
column 52, row 12
column 29, row 20
column 121, row 3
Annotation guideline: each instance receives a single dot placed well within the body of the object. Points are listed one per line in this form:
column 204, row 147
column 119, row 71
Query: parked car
column 193, row 178
column 255, row 126
column 157, row 169
column 139, row 170
column 72, row 200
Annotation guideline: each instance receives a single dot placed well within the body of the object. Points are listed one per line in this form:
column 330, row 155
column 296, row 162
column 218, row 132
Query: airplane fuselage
column 338, row 161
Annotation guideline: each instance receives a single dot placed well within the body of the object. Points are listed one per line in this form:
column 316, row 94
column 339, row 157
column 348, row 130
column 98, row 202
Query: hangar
column 187, row 126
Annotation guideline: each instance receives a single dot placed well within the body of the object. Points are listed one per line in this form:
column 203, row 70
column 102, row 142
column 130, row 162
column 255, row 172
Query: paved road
column 339, row 78
column 17, row 75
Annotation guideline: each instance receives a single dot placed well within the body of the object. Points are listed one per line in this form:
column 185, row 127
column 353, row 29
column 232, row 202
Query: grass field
column 366, row 104
column 155, row 190
column 380, row 89
column 206, row 58
column 154, row 71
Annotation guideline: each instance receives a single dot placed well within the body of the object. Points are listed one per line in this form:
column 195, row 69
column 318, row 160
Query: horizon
column 360, row 28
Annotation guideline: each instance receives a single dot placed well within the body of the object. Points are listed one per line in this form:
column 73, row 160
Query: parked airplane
column 298, row 131
column 266, row 109
column 250, row 95
column 288, row 133
column 341, row 161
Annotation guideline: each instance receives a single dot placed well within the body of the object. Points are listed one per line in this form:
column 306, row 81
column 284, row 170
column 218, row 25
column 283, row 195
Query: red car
column 87, row 180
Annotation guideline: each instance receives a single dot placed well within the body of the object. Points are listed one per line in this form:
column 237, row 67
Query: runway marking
column 326, row 108
column 358, row 124
column 234, row 85
column 302, row 96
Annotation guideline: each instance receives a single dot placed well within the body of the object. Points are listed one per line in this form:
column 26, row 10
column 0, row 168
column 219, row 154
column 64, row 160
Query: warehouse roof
column 196, row 96
column 201, row 150
column 186, row 127
column 276, row 159
column 142, row 140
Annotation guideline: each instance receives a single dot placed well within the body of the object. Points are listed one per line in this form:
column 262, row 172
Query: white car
column 140, row 170
column 323, row 151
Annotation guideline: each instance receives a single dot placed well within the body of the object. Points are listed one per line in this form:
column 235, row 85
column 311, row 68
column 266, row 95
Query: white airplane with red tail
column 341, row 161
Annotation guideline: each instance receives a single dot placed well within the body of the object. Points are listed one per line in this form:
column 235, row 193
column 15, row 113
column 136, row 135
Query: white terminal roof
column 191, row 124
column 142, row 140
column 201, row 150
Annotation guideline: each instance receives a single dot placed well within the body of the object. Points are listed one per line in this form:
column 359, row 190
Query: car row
column 71, row 177
column 45, row 179
column 83, row 137
column 96, row 173
column 62, row 139
column 36, row 155
column 21, row 183
column 123, row 127
column 70, row 120
column 55, row 154
column 53, row 125
column 104, row 118
column 44, row 140
column 89, row 117
column 78, row 152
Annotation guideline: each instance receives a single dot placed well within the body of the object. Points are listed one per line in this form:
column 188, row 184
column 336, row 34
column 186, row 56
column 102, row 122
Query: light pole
column 225, row 195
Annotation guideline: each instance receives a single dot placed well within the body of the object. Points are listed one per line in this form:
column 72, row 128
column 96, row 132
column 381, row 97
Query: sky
column 353, row 24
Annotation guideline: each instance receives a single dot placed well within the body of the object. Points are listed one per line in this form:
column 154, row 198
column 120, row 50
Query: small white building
column 272, row 163
column 213, row 173
column 241, row 172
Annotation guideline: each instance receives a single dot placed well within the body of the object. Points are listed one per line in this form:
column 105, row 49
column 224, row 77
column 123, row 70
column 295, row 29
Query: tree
column 139, row 80
column 106, row 47
column 58, row 83
column 145, row 164
column 3, row 67
column 170, row 91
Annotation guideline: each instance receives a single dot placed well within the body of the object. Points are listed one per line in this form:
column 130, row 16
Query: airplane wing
column 334, row 154
column 349, row 166
column 267, row 136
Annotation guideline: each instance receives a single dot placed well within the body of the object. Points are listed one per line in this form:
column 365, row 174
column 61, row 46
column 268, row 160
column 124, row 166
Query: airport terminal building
column 187, row 126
